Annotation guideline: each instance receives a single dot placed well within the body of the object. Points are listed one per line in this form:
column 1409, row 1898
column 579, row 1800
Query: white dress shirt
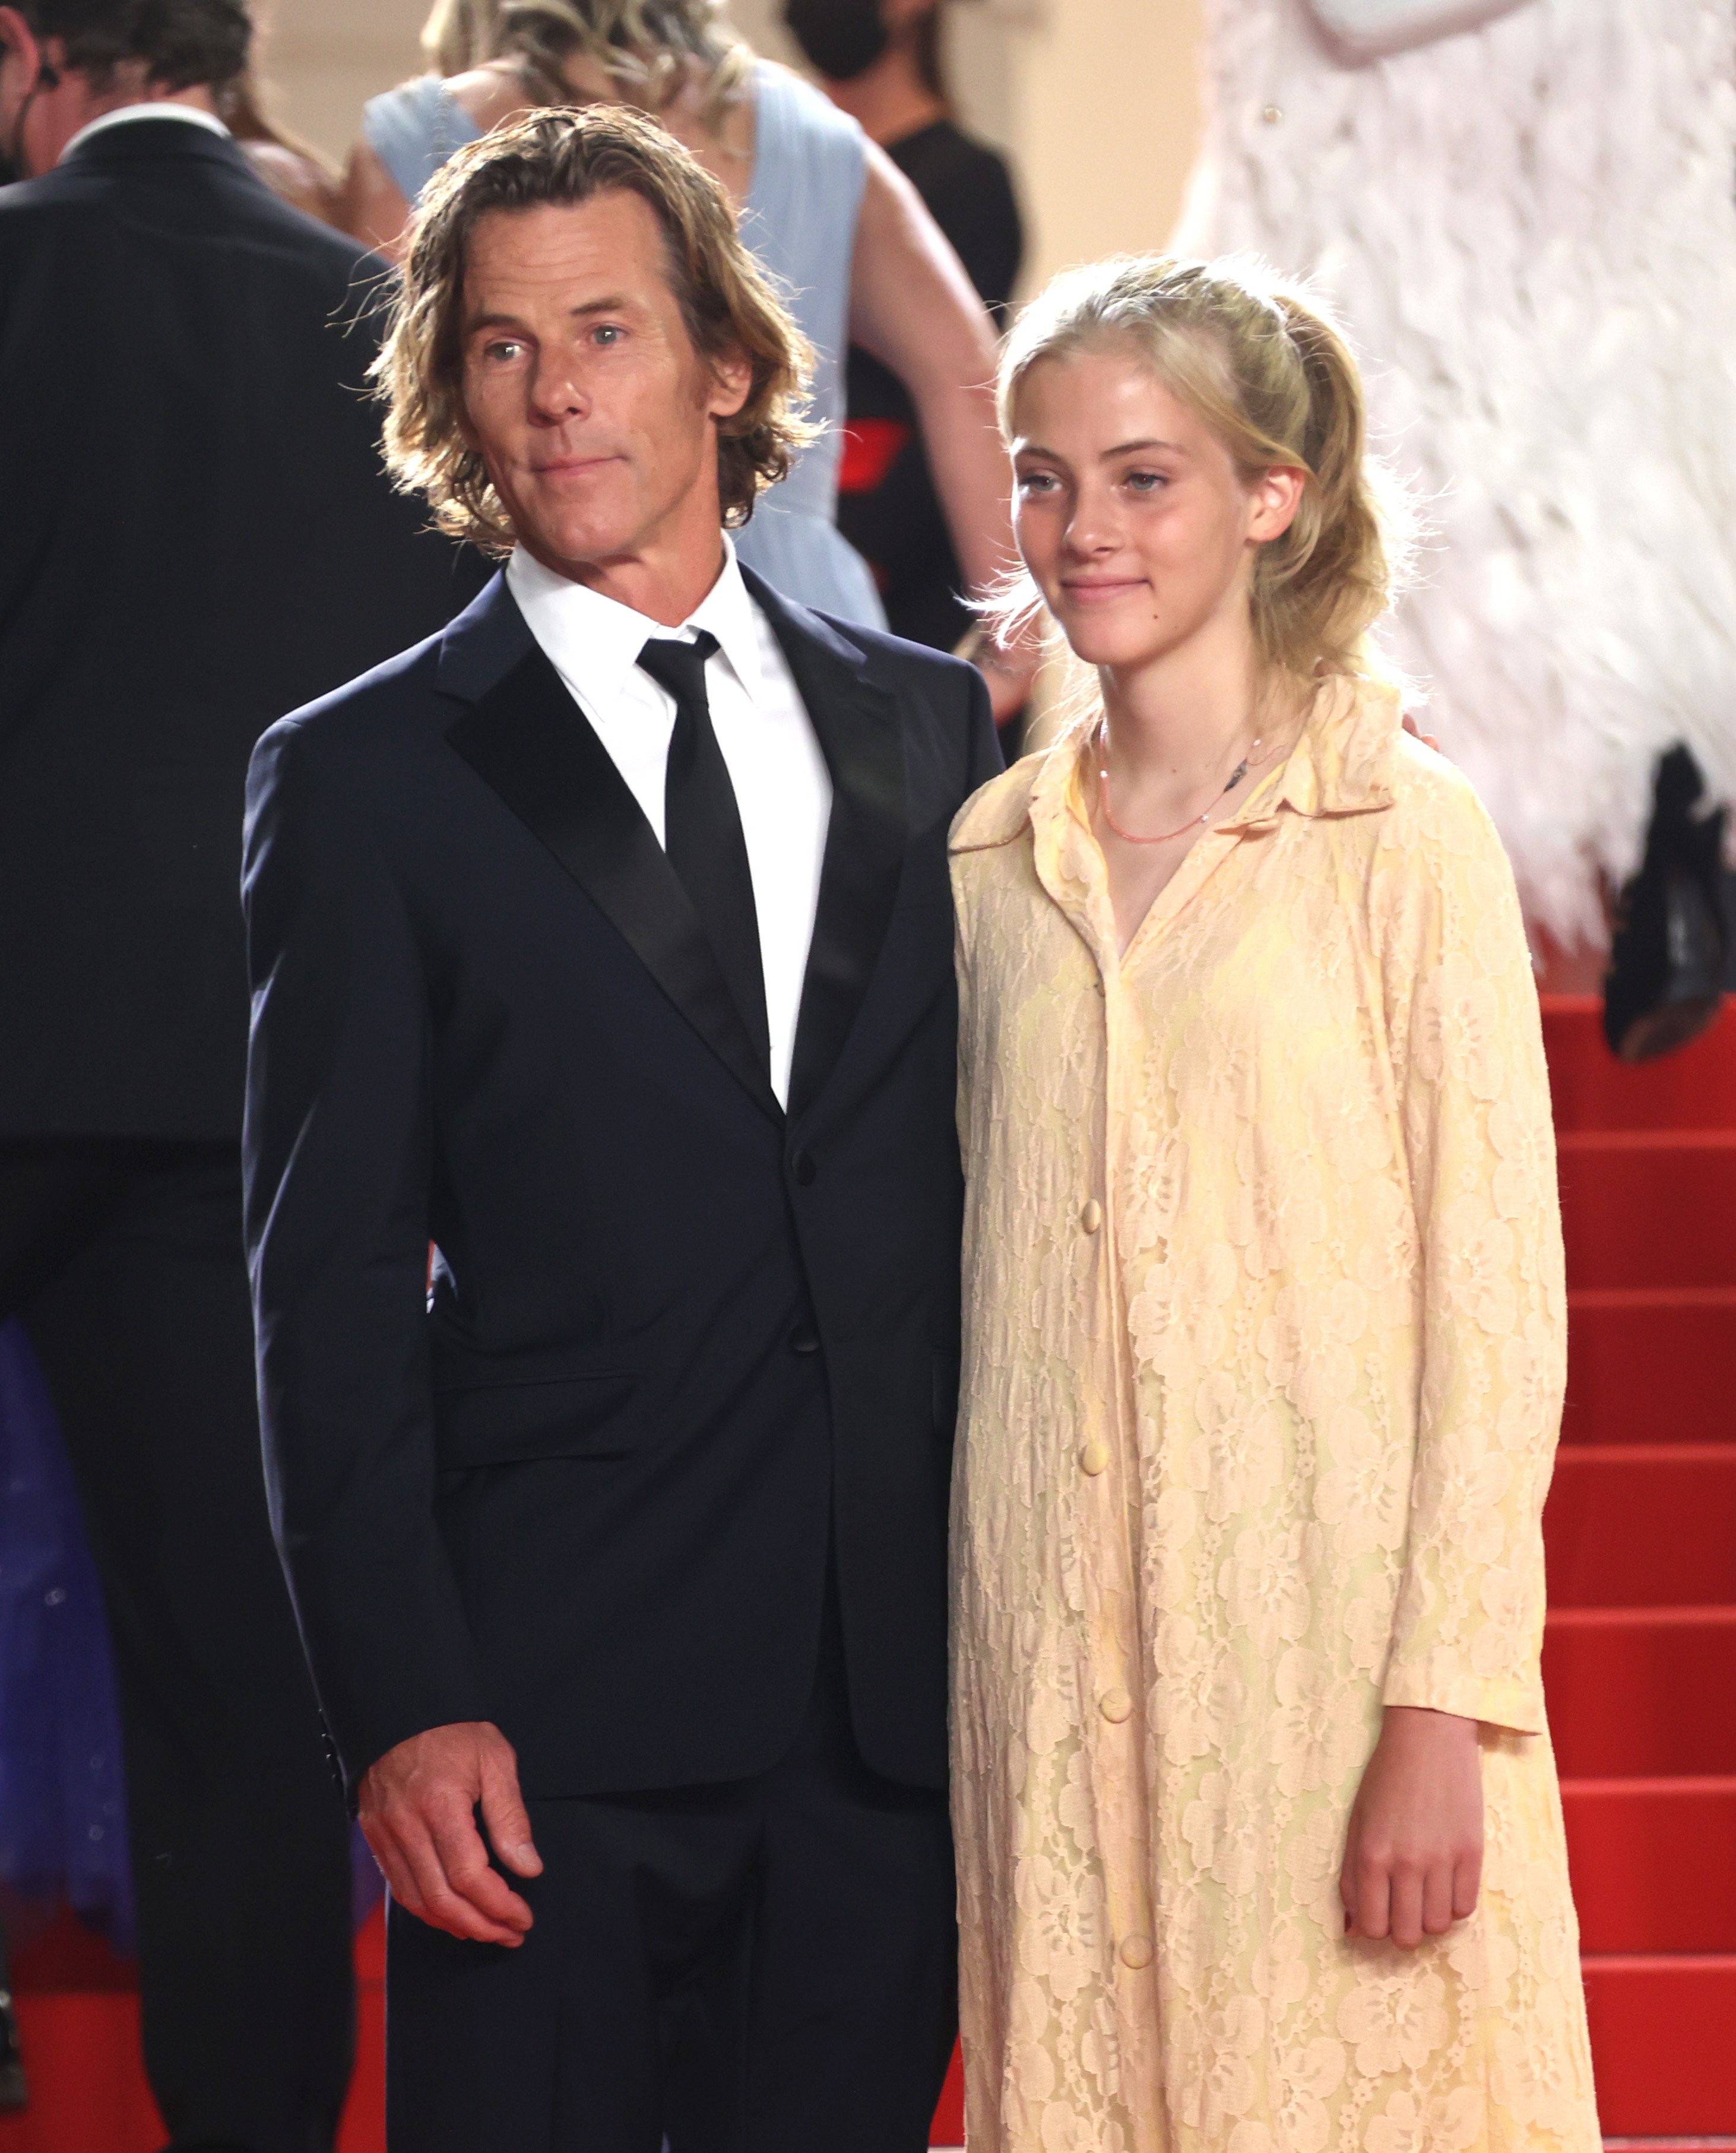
column 783, row 790
column 159, row 110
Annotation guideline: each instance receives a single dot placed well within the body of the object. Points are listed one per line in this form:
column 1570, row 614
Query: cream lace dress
column 1263, row 1362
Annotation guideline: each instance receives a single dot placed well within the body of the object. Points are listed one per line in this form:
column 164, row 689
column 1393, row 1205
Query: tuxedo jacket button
column 804, row 1169
column 804, row 1340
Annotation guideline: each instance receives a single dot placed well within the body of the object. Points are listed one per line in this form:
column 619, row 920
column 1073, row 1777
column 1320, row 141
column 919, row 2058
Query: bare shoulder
column 487, row 95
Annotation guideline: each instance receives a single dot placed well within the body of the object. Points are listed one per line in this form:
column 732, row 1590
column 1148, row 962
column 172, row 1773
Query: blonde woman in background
column 1259, row 1842
column 857, row 257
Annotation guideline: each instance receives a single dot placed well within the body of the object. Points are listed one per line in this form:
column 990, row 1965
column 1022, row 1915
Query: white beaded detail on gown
column 1528, row 230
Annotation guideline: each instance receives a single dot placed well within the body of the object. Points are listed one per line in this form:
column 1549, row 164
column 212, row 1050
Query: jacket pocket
column 516, row 1423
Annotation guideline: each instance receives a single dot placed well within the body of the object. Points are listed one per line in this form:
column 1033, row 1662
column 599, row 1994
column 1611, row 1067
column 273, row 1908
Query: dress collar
column 594, row 642
column 1343, row 763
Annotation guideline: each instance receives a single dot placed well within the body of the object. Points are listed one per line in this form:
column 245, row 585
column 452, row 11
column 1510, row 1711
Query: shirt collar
column 158, row 110
column 594, row 642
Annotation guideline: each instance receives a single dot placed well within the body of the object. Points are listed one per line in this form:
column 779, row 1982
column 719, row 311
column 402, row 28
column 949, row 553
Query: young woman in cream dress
column 1259, row 1841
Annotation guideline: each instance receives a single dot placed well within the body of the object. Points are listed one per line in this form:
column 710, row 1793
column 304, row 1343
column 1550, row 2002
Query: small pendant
column 1236, row 775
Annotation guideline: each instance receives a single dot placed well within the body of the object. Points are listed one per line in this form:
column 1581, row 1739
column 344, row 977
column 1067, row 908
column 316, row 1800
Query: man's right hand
column 417, row 1812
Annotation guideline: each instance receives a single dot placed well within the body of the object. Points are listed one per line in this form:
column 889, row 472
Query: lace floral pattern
column 1263, row 1363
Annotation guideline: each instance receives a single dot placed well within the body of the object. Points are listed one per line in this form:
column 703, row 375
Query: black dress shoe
column 1665, row 983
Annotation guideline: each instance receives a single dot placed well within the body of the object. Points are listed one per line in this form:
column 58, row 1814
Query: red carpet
column 1640, row 1659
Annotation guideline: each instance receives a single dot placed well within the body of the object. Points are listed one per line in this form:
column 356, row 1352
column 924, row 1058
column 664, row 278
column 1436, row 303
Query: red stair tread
column 1649, row 1208
column 1661, row 2043
column 1643, row 1525
column 66, row 1957
column 1695, row 1088
column 1650, row 1364
column 1641, row 1693
column 1653, row 1863
column 89, row 2094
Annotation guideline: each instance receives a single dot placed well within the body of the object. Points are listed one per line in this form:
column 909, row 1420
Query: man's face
column 583, row 392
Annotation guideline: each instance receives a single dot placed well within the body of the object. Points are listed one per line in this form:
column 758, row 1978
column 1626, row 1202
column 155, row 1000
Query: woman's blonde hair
column 1268, row 372
column 727, row 304
column 648, row 47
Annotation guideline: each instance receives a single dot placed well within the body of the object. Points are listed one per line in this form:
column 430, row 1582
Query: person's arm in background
column 913, row 307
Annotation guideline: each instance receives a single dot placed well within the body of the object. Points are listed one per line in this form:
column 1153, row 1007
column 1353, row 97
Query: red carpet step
column 1693, row 1089
column 1643, row 1525
column 1654, row 1864
column 1641, row 1693
column 1649, row 1206
column 1663, row 2045
column 1650, row 1364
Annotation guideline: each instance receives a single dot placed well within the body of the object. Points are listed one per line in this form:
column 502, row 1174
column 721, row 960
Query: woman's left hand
column 1413, row 1855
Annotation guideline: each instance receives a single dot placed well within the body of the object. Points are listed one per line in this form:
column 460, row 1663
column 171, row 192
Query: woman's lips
column 1101, row 592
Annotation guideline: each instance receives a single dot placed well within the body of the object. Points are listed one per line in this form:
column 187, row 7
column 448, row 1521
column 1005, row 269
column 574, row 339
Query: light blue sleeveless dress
column 809, row 162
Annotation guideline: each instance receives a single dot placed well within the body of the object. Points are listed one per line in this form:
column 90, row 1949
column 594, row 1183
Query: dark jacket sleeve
column 336, row 1150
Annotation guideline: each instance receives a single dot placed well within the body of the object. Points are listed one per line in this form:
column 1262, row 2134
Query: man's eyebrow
column 614, row 304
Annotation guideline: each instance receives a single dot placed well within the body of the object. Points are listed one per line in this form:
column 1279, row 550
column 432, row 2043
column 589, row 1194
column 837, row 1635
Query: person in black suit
column 199, row 534
column 605, row 942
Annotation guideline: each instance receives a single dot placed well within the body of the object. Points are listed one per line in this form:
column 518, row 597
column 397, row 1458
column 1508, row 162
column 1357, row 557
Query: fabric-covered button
column 1094, row 1459
column 804, row 1169
column 1091, row 1217
column 804, row 1340
column 1116, row 1706
column 1136, row 1952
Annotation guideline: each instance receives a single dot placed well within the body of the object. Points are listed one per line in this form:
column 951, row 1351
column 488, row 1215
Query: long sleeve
column 337, row 1154
column 1473, row 1093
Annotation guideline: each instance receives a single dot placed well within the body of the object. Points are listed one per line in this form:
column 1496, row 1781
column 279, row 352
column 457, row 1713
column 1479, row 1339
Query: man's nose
column 558, row 391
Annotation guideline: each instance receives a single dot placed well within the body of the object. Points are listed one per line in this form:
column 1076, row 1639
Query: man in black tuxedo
column 604, row 941
column 198, row 534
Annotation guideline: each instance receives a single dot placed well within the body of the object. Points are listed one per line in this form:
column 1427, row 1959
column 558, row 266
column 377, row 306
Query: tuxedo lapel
column 527, row 738
column 861, row 735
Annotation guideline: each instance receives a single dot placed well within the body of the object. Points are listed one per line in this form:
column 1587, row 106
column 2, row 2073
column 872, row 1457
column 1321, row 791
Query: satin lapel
column 861, row 736
column 529, row 739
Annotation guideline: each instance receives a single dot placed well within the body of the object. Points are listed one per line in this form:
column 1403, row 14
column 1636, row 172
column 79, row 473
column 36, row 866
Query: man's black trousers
column 766, row 1967
column 125, row 1261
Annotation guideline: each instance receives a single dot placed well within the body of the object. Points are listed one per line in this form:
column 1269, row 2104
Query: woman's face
column 1131, row 516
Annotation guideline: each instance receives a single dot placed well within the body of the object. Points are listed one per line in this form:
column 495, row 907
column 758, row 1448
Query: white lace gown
column 1528, row 230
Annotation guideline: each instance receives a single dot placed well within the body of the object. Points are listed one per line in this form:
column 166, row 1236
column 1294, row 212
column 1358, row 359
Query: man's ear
column 18, row 44
column 731, row 384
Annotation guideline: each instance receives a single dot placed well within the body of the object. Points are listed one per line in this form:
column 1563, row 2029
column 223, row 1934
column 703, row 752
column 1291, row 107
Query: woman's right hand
column 1413, row 1853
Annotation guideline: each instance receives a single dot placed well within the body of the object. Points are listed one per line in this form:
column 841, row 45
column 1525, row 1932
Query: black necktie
column 702, row 831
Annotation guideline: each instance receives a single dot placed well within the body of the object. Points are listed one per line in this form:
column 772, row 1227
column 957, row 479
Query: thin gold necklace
column 1250, row 761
